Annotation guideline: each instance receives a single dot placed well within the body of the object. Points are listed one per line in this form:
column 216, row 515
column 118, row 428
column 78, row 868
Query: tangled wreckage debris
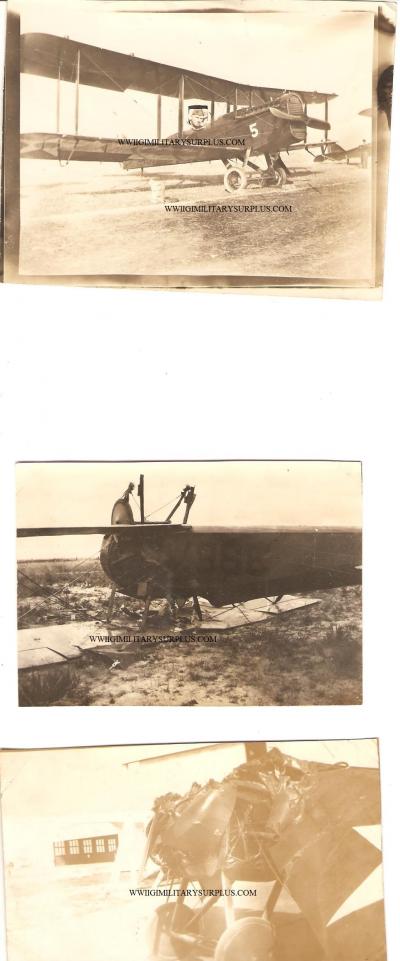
column 285, row 829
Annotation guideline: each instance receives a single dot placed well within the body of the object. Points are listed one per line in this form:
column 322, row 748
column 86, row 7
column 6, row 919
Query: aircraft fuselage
column 226, row 565
column 227, row 137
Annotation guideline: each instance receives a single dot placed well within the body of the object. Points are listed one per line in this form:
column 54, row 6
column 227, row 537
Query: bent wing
column 57, row 58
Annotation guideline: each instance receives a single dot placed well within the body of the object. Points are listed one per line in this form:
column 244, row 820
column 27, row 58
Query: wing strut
column 326, row 117
column 58, row 101
column 159, row 108
column 180, row 105
column 78, row 72
column 188, row 496
column 140, row 491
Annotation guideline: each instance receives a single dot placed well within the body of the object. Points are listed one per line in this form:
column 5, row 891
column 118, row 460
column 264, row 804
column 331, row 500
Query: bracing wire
column 48, row 592
column 63, row 604
column 162, row 506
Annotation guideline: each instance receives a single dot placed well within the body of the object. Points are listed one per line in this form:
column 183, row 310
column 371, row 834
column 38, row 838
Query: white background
column 122, row 374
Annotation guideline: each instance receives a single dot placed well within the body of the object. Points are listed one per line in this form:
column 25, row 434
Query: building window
column 59, row 847
column 100, row 845
column 112, row 844
column 87, row 846
column 73, row 847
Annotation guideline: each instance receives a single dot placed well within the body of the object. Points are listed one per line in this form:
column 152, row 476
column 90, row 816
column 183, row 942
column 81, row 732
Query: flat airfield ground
column 105, row 222
column 312, row 655
column 66, row 917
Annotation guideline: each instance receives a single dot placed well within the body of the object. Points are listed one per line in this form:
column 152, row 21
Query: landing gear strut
column 276, row 169
column 238, row 172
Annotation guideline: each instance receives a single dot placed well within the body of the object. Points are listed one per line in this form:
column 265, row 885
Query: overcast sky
column 260, row 493
column 310, row 51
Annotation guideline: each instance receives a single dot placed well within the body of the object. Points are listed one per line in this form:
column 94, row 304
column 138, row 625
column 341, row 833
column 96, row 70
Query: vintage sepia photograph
column 209, row 144
column 189, row 852
column 194, row 583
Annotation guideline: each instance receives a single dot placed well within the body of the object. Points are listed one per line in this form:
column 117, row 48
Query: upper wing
column 50, row 56
column 105, row 529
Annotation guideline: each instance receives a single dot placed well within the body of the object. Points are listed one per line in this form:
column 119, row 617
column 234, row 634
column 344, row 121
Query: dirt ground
column 66, row 918
column 309, row 656
column 108, row 224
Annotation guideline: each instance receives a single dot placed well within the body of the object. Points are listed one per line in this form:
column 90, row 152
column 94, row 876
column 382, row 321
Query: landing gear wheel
column 249, row 939
column 235, row 178
column 280, row 176
column 164, row 946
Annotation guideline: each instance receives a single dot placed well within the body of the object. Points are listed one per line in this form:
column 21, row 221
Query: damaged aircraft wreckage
column 225, row 566
column 285, row 829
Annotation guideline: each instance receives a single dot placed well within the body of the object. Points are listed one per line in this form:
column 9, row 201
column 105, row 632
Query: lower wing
column 52, row 146
column 305, row 146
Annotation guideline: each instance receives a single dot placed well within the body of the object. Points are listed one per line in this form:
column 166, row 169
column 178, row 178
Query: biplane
column 223, row 565
column 333, row 151
column 257, row 121
column 285, row 829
